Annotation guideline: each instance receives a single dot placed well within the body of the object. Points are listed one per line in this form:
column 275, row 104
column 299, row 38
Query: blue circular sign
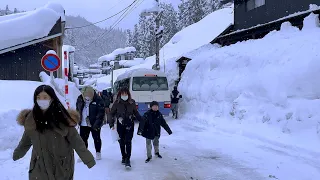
column 50, row 62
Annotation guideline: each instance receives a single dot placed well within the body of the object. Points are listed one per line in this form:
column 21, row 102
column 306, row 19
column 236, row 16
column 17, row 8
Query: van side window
column 125, row 83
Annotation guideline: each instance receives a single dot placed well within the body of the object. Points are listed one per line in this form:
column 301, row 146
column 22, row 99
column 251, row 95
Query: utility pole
column 157, row 38
column 112, row 77
column 159, row 32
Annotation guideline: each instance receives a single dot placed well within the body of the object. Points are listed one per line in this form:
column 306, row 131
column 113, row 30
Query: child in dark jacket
column 150, row 128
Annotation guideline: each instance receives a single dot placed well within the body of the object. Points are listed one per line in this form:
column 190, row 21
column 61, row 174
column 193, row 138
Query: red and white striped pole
column 66, row 87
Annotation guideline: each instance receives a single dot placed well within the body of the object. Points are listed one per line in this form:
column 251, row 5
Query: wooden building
column 23, row 61
column 254, row 19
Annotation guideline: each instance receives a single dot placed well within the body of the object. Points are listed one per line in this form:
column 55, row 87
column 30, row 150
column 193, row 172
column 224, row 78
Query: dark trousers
column 85, row 132
column 126, row 134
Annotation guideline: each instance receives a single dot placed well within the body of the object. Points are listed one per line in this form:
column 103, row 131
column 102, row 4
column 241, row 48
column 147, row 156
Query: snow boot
column 158, row 155
column 123, row 161
column 128, row 164
column 148, row 159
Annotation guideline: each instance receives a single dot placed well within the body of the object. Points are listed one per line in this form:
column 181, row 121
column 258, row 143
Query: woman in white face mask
column 50, row 129
column 121, row 118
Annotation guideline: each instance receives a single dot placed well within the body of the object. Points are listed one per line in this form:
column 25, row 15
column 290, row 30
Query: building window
column 252, row 4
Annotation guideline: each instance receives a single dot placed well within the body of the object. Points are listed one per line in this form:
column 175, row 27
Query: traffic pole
column 66, row 87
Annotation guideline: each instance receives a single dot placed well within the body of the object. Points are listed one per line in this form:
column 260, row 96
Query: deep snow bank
column 272, row 81
column 18, row 95
column 188, row 39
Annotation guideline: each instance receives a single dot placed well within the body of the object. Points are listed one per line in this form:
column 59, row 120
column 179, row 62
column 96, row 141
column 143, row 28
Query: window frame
column 252, row 4
column 166, row 79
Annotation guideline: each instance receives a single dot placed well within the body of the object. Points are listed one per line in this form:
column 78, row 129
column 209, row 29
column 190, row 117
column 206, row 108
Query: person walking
column 91, row 109
column 106, row 96
column 175, row 96
column 50, row 129
column 150, row 128
column 122, row 115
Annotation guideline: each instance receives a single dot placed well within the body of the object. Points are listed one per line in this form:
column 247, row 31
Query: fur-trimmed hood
column 25, row 118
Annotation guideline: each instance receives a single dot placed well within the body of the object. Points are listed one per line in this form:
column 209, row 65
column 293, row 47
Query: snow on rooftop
column 108, row 57
column 123, row 50
column 58, row 8
column 12, row 16
column 119, row 51
column 28, row 26
column 129, row 63
column 95, row 65
column 129, row 72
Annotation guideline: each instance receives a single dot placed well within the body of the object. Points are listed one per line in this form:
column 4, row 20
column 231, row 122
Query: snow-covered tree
column 129, row 38
column 169, row 22
column 182, row 14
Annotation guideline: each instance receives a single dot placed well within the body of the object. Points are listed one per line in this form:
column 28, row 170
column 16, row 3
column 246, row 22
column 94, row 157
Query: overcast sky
column 92, row 10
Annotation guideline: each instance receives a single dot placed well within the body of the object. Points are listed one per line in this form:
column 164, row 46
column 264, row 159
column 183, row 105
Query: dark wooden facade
column 182, row 63
column 23, row 62
column 257, row 22
column 270, row 11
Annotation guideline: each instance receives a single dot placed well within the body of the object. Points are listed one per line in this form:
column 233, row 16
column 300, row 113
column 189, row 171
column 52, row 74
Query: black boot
column 128, row 164
column 123, row 151
column 158, row 155
column 148, row 160
column 123, row 161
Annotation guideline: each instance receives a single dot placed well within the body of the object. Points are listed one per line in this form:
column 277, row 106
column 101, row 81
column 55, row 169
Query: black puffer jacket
column 152, row 123
column 96, row 110
column 126, row 110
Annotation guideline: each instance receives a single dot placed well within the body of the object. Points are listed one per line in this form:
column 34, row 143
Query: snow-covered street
column 193, row 151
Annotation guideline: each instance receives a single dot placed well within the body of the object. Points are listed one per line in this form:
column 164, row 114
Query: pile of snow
column 184, row 42
column 259, row 83
column 115, row 53
column 14, row 99
column 107, row 79
column 35, row 24
column 189, row 39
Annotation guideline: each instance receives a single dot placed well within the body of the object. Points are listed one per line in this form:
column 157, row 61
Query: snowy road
column 191, row 152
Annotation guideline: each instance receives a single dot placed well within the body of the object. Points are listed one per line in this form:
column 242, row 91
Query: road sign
column 50, row 62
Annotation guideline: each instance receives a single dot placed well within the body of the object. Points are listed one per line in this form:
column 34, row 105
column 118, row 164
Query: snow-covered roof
column 123, row 50
column 129, row 63
column 108, row 57
column 95, row 66
column 196, row 52
column 140, row 72
column 27, row 26
column 119, row 51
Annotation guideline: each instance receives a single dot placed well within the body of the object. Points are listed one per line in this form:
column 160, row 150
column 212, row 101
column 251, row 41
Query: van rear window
column 149, row 84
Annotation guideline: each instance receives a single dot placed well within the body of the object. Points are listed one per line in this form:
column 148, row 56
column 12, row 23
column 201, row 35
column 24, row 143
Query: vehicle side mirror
column 180, row 96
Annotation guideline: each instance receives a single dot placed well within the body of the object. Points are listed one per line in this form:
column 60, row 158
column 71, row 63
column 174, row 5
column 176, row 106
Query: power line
column 91, row 24
column 107, row 31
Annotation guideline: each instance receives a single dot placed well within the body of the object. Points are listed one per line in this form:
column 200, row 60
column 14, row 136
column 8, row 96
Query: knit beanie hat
column 154, row 103
column 87, row 91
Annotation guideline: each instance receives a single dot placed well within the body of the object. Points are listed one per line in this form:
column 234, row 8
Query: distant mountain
column 89, row 42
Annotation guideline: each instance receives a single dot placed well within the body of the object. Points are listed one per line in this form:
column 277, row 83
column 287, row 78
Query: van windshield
column 149, row 84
